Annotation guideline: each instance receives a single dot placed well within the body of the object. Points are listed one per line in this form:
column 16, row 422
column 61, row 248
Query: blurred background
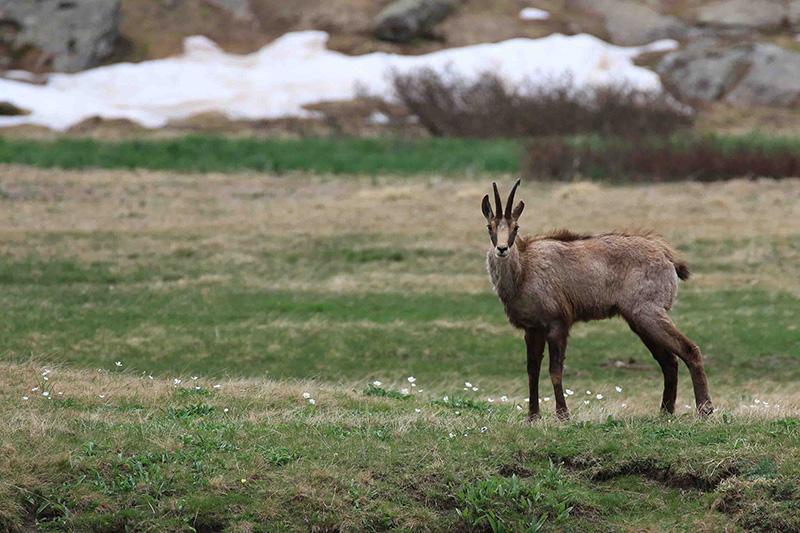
column 243, row 265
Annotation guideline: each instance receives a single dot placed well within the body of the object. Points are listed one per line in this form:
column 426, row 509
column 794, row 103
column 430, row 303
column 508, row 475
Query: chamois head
column 502, row 225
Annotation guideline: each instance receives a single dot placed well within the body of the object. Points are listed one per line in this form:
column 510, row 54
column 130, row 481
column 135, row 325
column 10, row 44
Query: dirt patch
column 651, row 469
column 513, row 469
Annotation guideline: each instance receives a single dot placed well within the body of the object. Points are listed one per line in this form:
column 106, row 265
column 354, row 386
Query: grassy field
column 317, row 155
column 272, row 286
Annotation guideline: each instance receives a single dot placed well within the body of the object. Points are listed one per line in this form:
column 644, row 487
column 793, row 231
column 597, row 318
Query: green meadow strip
column 314, row 155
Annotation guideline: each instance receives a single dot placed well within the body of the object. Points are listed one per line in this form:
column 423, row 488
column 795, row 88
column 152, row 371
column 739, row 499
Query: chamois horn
column 510, row 202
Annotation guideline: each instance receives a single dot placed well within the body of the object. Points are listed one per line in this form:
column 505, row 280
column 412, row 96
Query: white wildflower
column 586, row 402
column 588, row 392
column 102, row 395
column 467, row 384
column 45, row 393
column 404, row 391
column 225, row 410
column 217, row 386
column 569, row 392
column 306, row 395
column 411, row 379
column 445, row 399
column 483, row 429
column 24, row 397
column 475, row 389
column 312, row 401
column 547, row 398
column 417, row 410
column 35, row 389
column 452, row 435
column 618, row 388
column 503, row 398
column 176, row 381
column 490, row 400
column 151, row 377
column 376, row 383
column 118, row 363
column 458, row 412
column 519, row 408
column 686, row 405
column 528, row 400
column 599, row 396
column 624, row 405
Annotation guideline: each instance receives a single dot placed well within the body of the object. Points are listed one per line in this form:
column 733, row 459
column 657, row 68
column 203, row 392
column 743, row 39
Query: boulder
column 58, row 35
column 10, row 110
column 632, row 22
column 748, row 74
column 240, row 9
column 404, row 20
column 764, row 15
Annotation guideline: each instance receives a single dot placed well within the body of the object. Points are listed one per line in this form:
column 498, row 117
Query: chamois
column 548, row 282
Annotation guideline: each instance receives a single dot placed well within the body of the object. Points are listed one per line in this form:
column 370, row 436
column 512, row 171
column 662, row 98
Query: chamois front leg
column 557, row 344
column 534, row 340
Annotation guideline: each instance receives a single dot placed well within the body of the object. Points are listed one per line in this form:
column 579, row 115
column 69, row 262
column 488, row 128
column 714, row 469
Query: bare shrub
column 452, row 105
column 661, row 159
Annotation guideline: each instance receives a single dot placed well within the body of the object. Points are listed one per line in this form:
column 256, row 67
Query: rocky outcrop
column 631, row 23
column 750, row 74
column 763, row 15
column 59, row 35
column 404, row 20
column 240, row 9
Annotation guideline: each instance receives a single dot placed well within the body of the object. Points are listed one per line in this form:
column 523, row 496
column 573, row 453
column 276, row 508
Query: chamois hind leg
column 534, row 339
column 669, row 367
column 656, row 324
column 557, row 345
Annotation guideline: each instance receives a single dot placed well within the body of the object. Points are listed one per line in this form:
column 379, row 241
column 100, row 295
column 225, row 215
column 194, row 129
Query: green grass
column 314, row 155
column 283, row 301
column 245, row 332
column 148, row 457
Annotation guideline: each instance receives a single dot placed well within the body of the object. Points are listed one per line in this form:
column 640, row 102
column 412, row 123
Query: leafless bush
column 451, row 105
column 660, row 159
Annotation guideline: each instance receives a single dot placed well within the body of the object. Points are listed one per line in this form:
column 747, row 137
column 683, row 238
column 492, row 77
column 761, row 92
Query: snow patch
column 297, row 70
column 532, row 13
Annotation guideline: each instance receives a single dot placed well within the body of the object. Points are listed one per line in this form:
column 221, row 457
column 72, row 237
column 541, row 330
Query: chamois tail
column 682, row 268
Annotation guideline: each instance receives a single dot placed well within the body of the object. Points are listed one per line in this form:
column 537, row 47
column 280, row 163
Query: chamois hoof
column 532, row 417
column 562, row 414
column 705, row 409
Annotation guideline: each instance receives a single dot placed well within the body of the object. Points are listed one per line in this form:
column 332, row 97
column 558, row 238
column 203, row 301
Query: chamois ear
column 518, row 210
column 486, row 207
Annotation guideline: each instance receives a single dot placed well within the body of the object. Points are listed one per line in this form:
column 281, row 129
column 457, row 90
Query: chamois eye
column 516, row 229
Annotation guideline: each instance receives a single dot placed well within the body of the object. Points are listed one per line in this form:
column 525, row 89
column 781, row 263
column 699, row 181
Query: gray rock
column 631, row 22
column 767, row 15
column 68, row 35
column 9, row 109
column 749, row 74
column 404, row 20
column 240, row 9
